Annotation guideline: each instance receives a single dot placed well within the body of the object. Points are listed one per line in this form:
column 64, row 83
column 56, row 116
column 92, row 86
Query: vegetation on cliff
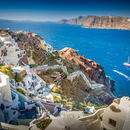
column 21, row 91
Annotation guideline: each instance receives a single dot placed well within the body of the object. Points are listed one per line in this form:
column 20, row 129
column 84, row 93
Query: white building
column 10, row 50
column 48, row 47
column 114, row 117
column 5, row 87
column 12, row 56
column 119, row 117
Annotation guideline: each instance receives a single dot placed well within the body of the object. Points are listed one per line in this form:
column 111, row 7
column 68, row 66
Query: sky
column 54, row 10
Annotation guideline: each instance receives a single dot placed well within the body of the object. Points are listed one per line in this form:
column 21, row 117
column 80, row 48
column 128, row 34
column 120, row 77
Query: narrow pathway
column 78, row 73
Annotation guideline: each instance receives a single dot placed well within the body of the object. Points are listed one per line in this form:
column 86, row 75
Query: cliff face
column 93, row 69
column 104, row 22
column 77, row 21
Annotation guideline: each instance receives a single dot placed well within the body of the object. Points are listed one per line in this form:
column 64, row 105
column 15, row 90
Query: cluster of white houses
column 48, row 47
column 9, row 50
column 114, row 117
column 8, row 110
column 13, row 105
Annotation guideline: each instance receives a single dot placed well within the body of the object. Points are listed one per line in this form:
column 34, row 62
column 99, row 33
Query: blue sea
column 110, row 48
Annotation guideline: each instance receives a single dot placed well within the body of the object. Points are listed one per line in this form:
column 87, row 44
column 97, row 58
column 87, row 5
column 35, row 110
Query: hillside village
column 42, row 87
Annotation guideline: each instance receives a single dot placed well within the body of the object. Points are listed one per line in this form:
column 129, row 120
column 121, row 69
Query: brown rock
column 93, row 69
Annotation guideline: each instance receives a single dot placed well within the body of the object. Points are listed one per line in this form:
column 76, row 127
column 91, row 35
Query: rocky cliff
column 93, row 69
column 104, row 22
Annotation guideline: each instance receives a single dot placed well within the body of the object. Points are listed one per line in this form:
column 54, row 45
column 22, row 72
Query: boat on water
column 127, row 63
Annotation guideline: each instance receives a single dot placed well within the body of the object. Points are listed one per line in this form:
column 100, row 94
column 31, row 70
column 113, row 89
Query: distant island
column 102, row 22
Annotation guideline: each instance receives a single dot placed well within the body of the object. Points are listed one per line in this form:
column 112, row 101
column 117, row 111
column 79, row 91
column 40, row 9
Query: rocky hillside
column 104, row 22
column 93, row 69
column 78, row 75
column 77, row 88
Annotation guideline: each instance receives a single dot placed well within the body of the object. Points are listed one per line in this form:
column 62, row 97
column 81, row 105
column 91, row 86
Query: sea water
column 108, row 47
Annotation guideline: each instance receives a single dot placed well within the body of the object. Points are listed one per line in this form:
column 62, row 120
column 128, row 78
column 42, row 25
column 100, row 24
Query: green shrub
column 57, row 89
column 63, row 101
column 18, row 77
column 85, row 112
column 59, row 70
column 63, row 97
column 44, row 123
column 21, row 91
column 7, row 71
column 51, row 56
column 55, row 53
column 96, row 106
column 65, row 74
column 32, row 65
column 56, row 99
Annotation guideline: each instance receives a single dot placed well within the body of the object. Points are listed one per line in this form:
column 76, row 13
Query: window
column 112, row 122
column 105, row 129
column 100, row 118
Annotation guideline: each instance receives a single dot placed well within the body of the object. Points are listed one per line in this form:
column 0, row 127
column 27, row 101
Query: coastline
column 89, row 52
column 95, row 27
